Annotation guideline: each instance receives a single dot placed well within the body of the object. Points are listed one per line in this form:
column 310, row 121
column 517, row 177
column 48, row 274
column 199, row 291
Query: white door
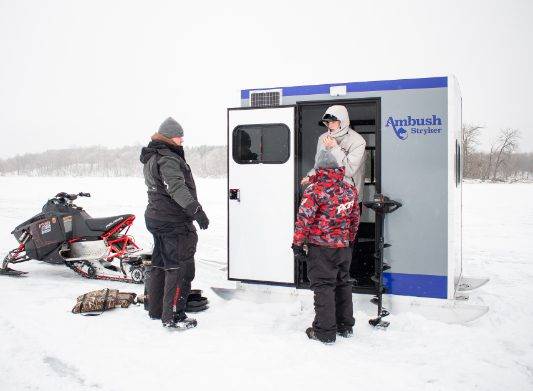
column 261, row 194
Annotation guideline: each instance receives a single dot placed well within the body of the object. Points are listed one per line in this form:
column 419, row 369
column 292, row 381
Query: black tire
column 197, row 303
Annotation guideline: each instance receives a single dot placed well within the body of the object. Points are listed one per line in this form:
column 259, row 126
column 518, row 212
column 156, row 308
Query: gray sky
column 108, row 72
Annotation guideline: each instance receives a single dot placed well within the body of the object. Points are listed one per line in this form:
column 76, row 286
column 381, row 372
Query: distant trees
column 501, row 163
column 501, row 152
column 470, row 143
column 206, row 161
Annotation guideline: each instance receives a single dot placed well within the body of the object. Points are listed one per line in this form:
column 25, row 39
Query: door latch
column 235, row 194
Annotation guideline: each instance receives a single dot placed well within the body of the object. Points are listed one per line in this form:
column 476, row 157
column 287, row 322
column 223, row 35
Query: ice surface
column 242, row 345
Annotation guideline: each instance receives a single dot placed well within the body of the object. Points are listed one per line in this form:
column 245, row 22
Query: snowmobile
column 64, row 233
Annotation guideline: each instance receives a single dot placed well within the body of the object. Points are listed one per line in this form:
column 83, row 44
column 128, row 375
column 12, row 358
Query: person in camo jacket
column 328, row 219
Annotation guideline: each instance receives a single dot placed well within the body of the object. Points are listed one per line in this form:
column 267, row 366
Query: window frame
column 261, row 126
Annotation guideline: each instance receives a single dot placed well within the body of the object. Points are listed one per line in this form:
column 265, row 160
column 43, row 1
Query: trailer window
column 267, row 143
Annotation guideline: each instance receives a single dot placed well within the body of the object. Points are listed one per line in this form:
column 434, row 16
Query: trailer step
column 446, row 311
column 255, row 296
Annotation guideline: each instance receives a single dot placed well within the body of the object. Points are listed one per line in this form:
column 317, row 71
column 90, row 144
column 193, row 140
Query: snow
column 242, row 345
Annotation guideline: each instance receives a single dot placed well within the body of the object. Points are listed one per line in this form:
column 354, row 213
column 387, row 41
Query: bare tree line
column 206, row 161
column 502, row 162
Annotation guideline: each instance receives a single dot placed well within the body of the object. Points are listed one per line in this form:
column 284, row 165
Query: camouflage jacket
column 329, row 212
column 102, row 300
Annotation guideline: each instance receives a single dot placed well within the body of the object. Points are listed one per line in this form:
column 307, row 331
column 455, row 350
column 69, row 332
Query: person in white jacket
column 345, row 144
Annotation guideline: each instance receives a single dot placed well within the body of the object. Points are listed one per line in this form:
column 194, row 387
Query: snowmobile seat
column 106, row 223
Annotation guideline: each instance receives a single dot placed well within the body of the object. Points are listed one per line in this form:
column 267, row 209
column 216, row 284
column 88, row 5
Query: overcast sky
column 76, row 73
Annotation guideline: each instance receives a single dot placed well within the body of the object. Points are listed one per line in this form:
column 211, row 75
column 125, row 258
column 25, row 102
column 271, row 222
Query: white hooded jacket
column 350, row 149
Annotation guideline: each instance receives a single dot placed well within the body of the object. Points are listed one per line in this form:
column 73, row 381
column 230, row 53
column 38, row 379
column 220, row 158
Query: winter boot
column 345, row 332
column 312, row 335
column 181, row 322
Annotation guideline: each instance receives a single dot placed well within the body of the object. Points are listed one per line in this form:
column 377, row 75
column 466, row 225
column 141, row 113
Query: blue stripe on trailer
column 381, row 85
column 420, row 285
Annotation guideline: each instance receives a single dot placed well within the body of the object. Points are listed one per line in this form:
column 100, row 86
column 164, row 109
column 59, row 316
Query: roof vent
column 265, row 98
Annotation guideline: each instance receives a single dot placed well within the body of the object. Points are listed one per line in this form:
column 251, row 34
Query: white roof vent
column 265, row 98
column 337, row 90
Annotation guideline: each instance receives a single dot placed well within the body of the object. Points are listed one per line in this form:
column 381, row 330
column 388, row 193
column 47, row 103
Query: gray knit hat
column 326, row 159
column 170, row 128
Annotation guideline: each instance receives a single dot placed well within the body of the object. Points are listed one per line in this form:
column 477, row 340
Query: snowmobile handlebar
column 72, row 197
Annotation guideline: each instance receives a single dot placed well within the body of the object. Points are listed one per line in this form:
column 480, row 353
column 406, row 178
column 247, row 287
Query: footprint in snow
column 65, row 370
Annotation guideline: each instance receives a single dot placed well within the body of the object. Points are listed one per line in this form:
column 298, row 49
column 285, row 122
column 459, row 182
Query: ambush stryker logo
column 419, row 126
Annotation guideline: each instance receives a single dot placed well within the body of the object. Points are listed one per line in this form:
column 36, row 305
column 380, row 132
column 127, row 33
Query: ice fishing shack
column 412, row 129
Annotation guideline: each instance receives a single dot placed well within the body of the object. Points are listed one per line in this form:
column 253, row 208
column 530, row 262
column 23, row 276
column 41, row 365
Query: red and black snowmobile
column 63, row 233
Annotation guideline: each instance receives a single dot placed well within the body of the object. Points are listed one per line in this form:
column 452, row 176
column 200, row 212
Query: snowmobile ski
column 11, row 272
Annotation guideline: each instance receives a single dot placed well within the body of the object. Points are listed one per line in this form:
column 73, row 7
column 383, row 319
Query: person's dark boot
column 181, row 322
column 345, row 332
column 312, row 335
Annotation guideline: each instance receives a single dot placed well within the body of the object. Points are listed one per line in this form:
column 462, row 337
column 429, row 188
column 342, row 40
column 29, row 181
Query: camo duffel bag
column 96, row 302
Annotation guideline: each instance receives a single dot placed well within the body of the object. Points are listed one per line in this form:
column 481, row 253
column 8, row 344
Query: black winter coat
column 171, row 188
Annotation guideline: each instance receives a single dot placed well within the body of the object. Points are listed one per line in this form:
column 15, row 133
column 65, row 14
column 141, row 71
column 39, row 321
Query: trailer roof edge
column 378, row 85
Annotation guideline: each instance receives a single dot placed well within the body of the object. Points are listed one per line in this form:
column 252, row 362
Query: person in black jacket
column 172, row 207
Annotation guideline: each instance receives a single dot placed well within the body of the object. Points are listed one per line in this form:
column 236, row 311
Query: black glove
column 195, row 211
column 298, row 251
column 201, row 219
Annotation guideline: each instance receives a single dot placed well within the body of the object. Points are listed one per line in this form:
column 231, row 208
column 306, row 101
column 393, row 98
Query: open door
column 365, row 119
column 261, row 194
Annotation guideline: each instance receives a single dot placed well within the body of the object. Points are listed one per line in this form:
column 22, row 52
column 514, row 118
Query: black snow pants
column 329, row 272
column 173, row 267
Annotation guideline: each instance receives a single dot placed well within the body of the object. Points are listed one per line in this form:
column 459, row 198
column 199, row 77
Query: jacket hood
column 325, row 159
column 341, row 113
column 160, row 146
column 327, row 175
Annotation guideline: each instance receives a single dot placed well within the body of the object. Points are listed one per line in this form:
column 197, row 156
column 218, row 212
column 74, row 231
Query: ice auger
column 381, row 205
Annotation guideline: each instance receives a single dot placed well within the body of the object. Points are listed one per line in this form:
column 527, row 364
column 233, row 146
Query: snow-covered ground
column 240, row 345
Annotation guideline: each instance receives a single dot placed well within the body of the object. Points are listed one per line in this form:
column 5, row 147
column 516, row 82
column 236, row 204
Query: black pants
column 329, row 272
column 173, row 267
